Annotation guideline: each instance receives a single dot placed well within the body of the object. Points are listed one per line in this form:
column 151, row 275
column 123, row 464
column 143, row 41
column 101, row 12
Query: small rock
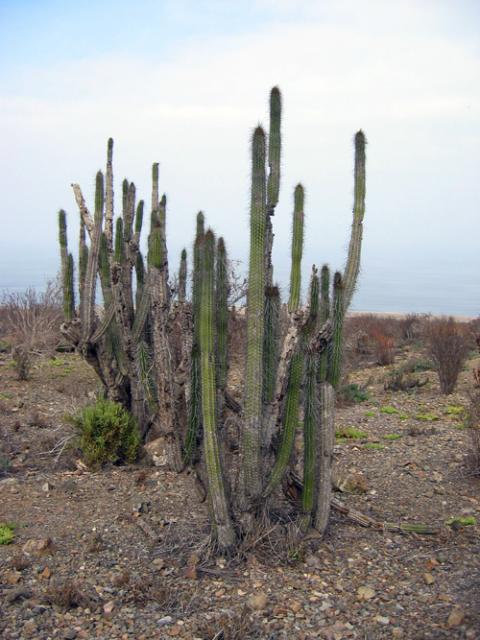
column 46, row 574
column 429, row 579
column 258, row 602
column 295, row 606
column 37, row 547
column 382, row 620
column 191, row 572
column 397, row 632
column 313, row 561
column 175, row 630
column 71, row 634
column 456, row 617
column 46, row 487
column 365, row 593
column 12, row 577
column 166, row 620
column 108, row 608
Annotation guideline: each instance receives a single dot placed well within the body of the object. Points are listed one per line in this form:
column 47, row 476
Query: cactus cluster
column 165, row 357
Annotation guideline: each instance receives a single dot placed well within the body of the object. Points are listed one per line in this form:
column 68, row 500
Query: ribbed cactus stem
column 271, row 342
column 335, row 355
column 155, row 201
column 182, row 277
column 297, row 250
column 195, row 408
column 129, row 213
column 118, row 255
column 69, row 296
column 323, row 315
column 67, row 277
column 310, row 411
column 325, row 444
column 139, row 218
column 274, row 150
column 223, row 528
column 109, row 195
column 290, row 425
column 104, row 270
column 88, row 303
column 252, row 431
column 140, row 275
column 221, row 315
column 354, row 249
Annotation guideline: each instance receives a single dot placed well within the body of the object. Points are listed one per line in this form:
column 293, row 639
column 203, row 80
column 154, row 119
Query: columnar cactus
column 166, row 360
column 253, row 424
column 221, row 521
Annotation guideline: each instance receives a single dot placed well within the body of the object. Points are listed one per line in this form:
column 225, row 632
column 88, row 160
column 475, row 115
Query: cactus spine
column 252, row 429
column 222, row 523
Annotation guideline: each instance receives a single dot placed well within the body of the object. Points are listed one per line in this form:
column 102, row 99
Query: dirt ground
column 118, row 554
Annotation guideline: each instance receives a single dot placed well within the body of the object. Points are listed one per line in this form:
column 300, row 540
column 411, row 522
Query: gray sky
column 184, row 83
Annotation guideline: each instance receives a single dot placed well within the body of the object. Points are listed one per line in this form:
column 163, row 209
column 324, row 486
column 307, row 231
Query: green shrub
column 352, row 394
column 389, row 410
column 107, row 433
column 6, row 533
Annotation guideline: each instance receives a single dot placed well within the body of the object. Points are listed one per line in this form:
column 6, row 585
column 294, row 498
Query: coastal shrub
column 22, row 362
column 107, row 433
column 448, row 347
column 352, row 394
column 6, row 533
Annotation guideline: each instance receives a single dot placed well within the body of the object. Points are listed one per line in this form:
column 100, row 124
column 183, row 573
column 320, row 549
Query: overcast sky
column 184, row 83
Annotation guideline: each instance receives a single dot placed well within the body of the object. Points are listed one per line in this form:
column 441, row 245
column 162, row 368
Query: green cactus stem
column 109, row 195
column 324, row 313
column 88, row 310
column 325, row 444
column 221, row 315
column 310, row 411
column 182, row 277
column 297, row 250
column 354, row 249
column 252, row 431
column 69, row 296
column 67, row 268
column 274, row 150
column 271, row 342
column 335, row 354
column 222, row 524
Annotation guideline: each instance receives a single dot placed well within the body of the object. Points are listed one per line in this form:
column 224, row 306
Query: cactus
column 221, row 316
column 222, row 524
column 323, row 315
column 354, row 249
column 311, row 410
column 297, row 250
column 177, row 388
column 182, row 277
column 338, row 312
column 194, row 410
column 270, row 342
column 252, row 427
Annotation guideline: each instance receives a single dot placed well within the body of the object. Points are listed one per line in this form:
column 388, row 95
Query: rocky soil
column 122, row 553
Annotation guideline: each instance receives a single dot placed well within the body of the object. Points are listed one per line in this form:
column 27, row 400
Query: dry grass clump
column 229, row 625
column 67, row 595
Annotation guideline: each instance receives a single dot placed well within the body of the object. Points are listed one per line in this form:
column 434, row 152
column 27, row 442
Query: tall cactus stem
column 354, row 249
column 325, row 443
column 274, row 150
column 324, row 313
column 297, row 250
column 182, row 277
column 335, row 355
column 221, row 315
column 223, row 527
column 271, row 342
column 109, row 195
column 253, row 424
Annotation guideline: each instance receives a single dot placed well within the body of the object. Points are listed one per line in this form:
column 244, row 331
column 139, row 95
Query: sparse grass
column 389, row 410
column 454, row 410
column 426, row 417
column 352, row 394
column 370, row 414
column 392, row 436
column 377, row 446
column 350, row 433
column 457, row 522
